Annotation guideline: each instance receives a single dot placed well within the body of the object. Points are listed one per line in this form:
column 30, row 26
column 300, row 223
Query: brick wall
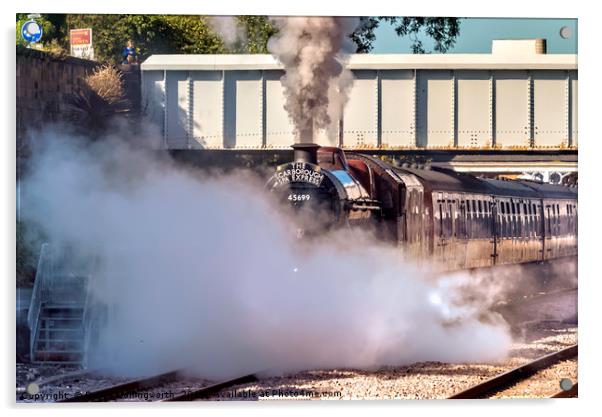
column 44, row 82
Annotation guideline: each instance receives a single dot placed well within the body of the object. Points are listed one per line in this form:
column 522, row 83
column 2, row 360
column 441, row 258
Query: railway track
column 498, row 383
column 131, row 388
column 122, row 390
column 62, row 378
column 540, row 296
column 210, row 390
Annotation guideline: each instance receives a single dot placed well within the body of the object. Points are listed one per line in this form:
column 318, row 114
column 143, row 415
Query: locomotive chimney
column 306, row 152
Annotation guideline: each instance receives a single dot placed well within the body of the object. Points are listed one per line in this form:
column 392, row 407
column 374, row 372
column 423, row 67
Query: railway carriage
column 456, row 219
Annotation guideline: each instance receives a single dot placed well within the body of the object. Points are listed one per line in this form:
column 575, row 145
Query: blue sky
column 476, row 35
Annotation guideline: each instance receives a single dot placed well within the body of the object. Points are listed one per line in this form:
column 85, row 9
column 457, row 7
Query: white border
column 590, row 143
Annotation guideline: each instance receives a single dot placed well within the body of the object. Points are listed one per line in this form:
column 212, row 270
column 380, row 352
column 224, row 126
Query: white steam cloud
column 204, row 273
column 316, row 82
column 229, row 29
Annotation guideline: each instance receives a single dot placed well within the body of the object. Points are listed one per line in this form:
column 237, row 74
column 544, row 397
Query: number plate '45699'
column 298, row 197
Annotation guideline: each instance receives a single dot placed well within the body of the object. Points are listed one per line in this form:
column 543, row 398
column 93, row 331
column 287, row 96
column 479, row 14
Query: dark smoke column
column 316, row 82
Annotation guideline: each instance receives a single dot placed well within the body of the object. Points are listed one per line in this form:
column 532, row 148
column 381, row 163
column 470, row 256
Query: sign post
column 81, row 43
column 31, row 31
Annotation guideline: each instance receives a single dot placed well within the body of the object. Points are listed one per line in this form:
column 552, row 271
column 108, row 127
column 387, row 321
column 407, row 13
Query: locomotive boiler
column 457, row 219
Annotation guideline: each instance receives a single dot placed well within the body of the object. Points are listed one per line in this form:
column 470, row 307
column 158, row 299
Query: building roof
column 368, row 61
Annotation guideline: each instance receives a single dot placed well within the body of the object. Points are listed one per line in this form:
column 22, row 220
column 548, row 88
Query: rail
column 206, row 392
column 500, row 382
column 116, row 391
column 121, row 390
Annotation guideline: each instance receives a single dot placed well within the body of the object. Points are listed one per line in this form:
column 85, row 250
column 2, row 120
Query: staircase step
column 64, row 305
column 62, row 325
column 61, row 340
column 62, row 329
column 59, row 315
column 60, row 348
column 54, row 344
column 60, row 318
column 58, row 357
column 63, row 316
column 61, row 336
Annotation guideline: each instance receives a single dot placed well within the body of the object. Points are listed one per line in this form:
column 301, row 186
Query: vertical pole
column 165, row 109
column 455, row 108
column 223, row 113
column 569, row 108
column 414, row 108
column 190, row 111
column 531, row 111
column 492, row 110
column 379, row 110
column 264, row 137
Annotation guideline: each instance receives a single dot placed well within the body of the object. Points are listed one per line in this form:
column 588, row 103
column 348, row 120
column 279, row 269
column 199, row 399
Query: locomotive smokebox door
column 307, row 190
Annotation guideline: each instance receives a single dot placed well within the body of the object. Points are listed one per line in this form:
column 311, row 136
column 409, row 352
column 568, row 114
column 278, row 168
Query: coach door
column 551, row 229
column 412, row 217
column 495, row 230
column 444, row 215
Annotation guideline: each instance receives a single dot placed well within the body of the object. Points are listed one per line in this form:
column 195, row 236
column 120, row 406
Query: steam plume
column 316, row 82
column 203, row 272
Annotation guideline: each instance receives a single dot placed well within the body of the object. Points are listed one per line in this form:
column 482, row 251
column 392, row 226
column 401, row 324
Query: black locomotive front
column 320, row 197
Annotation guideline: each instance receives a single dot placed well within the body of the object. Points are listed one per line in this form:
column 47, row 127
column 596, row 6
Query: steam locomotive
column 457, row 219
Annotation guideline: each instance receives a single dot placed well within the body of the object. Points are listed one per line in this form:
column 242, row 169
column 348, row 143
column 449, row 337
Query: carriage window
column 476, row 225
column 468, row 218
column 509, row 209
column 554, row 220
column 548, row 220
column 529, row 220
column 449, row 223
column 508, row 220
column 517, row 229
column 503, row 219
column 558, row 220
column 525, row 219
column 461, row 226
column 485, row 219
column 521, row 220
column 440, row 218
column 534, row 220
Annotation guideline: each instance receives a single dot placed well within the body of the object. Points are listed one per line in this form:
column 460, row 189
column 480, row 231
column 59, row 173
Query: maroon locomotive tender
column 457, row 219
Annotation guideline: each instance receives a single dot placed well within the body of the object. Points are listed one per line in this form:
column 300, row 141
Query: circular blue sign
column 31, row 31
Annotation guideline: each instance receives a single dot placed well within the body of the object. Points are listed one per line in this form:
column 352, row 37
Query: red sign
column 80, row 36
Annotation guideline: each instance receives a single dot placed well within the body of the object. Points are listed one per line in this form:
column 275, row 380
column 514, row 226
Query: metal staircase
column 58, row 317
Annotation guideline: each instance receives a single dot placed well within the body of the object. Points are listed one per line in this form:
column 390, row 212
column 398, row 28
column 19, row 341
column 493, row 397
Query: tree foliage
column 443, row 31
column 258, row 29
column 151, row 34
column 193, row 34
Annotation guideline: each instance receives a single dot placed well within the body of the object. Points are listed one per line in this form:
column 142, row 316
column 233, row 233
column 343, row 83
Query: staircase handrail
column 33, row 315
